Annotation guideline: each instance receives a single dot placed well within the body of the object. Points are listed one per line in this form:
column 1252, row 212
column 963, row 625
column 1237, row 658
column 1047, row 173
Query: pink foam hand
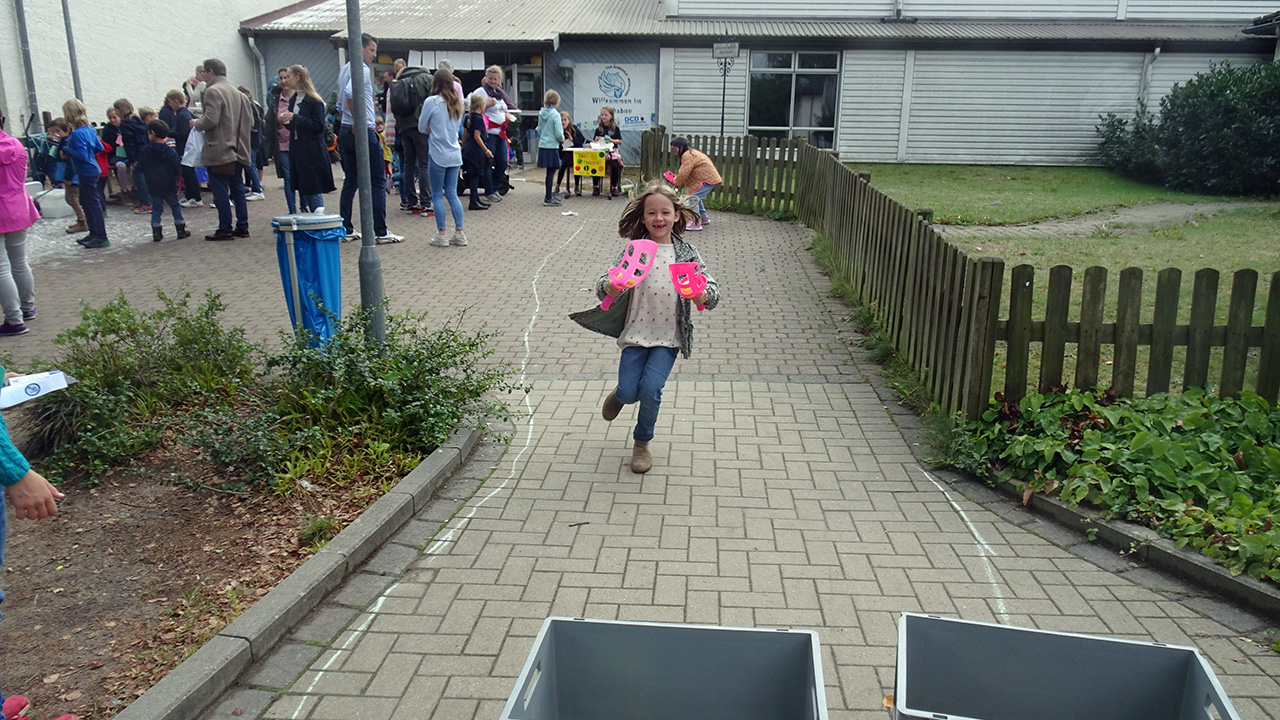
column 689, row 282
column 670, row 176
column 637, row 261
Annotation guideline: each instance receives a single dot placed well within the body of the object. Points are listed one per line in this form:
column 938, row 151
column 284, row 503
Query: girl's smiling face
column 113, row 117
column 606, row 118
column 659, row 217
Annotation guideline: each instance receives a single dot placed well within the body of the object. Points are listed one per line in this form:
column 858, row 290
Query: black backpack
column 402, row 95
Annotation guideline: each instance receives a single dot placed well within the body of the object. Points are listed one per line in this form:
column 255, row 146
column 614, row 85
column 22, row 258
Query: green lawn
column 1002, row 194
column 1246, row 238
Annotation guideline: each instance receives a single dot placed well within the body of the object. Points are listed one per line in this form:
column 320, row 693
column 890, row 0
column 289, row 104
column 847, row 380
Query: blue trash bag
column 319, row 276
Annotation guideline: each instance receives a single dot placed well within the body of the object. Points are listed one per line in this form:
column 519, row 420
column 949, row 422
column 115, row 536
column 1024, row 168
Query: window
column 793, row 95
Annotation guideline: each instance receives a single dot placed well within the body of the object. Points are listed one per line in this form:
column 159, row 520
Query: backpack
column 402, row 96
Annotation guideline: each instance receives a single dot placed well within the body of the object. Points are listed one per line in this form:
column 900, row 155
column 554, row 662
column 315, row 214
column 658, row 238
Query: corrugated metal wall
column 1215, row 10
column 317, row 55
column 697, row 94
column 1016, row 107
column 871, row 105
column 620, row 53
column 1171, row 68
column 1203, row 10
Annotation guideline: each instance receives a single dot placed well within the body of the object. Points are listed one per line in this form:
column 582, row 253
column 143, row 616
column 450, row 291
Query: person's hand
column 286, row 118
column 33, row 498
column 701, row 299
column 612, row 290
column 191, row 122
column 11, row 375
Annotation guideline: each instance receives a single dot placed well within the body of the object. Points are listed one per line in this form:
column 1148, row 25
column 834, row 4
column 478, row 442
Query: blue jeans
column 495, row 176
column 350, row 182
column 288, row 183
column 227, row 189
column 251, row 172
column 311, row 202
column 140, row 185
column 642, row 372
column 701, row 193
column 91, row 201
column 444, row 184
column 157, row 210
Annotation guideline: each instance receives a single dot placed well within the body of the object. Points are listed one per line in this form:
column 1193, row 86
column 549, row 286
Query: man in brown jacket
column 226, row 122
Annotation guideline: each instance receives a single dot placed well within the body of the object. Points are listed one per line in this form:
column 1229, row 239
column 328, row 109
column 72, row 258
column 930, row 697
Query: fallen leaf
column 238, row 712
column 51, row 678
column 69, row 697
column 888, row 701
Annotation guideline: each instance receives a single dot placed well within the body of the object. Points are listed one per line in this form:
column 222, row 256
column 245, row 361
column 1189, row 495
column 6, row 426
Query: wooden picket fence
column 758, row 173
column 941, row 308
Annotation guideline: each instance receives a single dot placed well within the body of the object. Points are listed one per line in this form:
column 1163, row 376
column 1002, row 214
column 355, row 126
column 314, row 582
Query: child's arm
column 683, row 176
column 603, row 286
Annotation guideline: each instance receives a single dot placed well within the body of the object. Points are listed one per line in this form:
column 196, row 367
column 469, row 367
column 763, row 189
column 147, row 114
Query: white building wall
column 1016, row 107
column 696, row 95
column 871, row 86
column 1170, row 69
column 1201, row 10
column 123, row 49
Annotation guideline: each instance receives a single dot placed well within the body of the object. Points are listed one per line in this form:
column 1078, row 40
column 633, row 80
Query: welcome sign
column 629, row 88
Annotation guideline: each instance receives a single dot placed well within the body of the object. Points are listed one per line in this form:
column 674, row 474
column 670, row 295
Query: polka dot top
column 651, row 317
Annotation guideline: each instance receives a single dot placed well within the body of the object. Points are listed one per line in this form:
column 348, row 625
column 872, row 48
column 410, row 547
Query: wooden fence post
column 1235, row 352
column 1204, row 301
column 989, row 276
column 750, row 149
column 1165, row 318
column 1128, row 315
column 1053, row 346
column 1093, row 300
column 1017, row 346
column 1269, row 357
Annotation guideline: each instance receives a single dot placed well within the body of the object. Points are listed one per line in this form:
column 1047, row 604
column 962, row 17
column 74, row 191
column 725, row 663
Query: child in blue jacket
column 81, row 148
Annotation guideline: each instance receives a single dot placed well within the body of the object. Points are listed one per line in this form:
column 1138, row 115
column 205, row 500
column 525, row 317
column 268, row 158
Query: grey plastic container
column 963, row 670
column 607, row 670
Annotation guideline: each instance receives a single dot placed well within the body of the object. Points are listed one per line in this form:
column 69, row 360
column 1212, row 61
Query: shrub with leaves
column 135, row 369
column 1201, row 470
column 1219, row 134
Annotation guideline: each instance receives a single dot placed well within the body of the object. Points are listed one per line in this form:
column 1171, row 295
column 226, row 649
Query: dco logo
column 32, row 389
column 614, row 82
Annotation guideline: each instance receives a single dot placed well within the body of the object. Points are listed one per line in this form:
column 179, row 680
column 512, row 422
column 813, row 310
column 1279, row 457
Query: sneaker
column 96, row 242
column 85, row 240
column 353, row 236
column 190, row 203
column 388, row 239
column 15, row 705
column 706, row 221
column 553, row 202
column 142, row 210
column 491, row 199
column 255, row 196
column 414, row 210
column 458, row 239
column 693, row 226
column 7, row 330
column 28, row 315
column 440, row 240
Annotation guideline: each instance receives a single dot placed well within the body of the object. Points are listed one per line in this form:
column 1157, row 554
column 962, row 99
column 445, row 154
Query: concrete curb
column 1142, row 544
column 198, row 681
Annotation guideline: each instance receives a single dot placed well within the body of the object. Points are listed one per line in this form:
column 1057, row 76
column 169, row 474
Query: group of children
column 557, row 138
column 137, row 147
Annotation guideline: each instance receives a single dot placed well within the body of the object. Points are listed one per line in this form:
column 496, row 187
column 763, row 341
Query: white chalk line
column 465, row 519
column 985, row 551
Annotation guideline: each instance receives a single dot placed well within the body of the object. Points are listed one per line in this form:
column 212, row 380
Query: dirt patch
column 132, row 576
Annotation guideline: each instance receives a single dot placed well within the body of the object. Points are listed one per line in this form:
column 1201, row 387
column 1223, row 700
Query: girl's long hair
column 303, row 80
column 442, row 85
column 74, row 112
column 613, row 117
column 631, row 225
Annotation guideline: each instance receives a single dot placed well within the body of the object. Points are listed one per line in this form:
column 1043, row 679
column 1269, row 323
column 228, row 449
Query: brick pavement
column 783, row 492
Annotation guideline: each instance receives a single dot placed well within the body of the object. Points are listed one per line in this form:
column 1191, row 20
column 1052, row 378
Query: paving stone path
column 783, row 492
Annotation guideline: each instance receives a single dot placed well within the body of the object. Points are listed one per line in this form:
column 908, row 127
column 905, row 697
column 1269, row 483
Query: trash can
column 589, row 669
column 963, row 670
column 310, row 269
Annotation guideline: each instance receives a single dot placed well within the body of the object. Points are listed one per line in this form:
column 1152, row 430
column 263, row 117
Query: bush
column 1201, row 470
column 349, row 410
column 1218, row 134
